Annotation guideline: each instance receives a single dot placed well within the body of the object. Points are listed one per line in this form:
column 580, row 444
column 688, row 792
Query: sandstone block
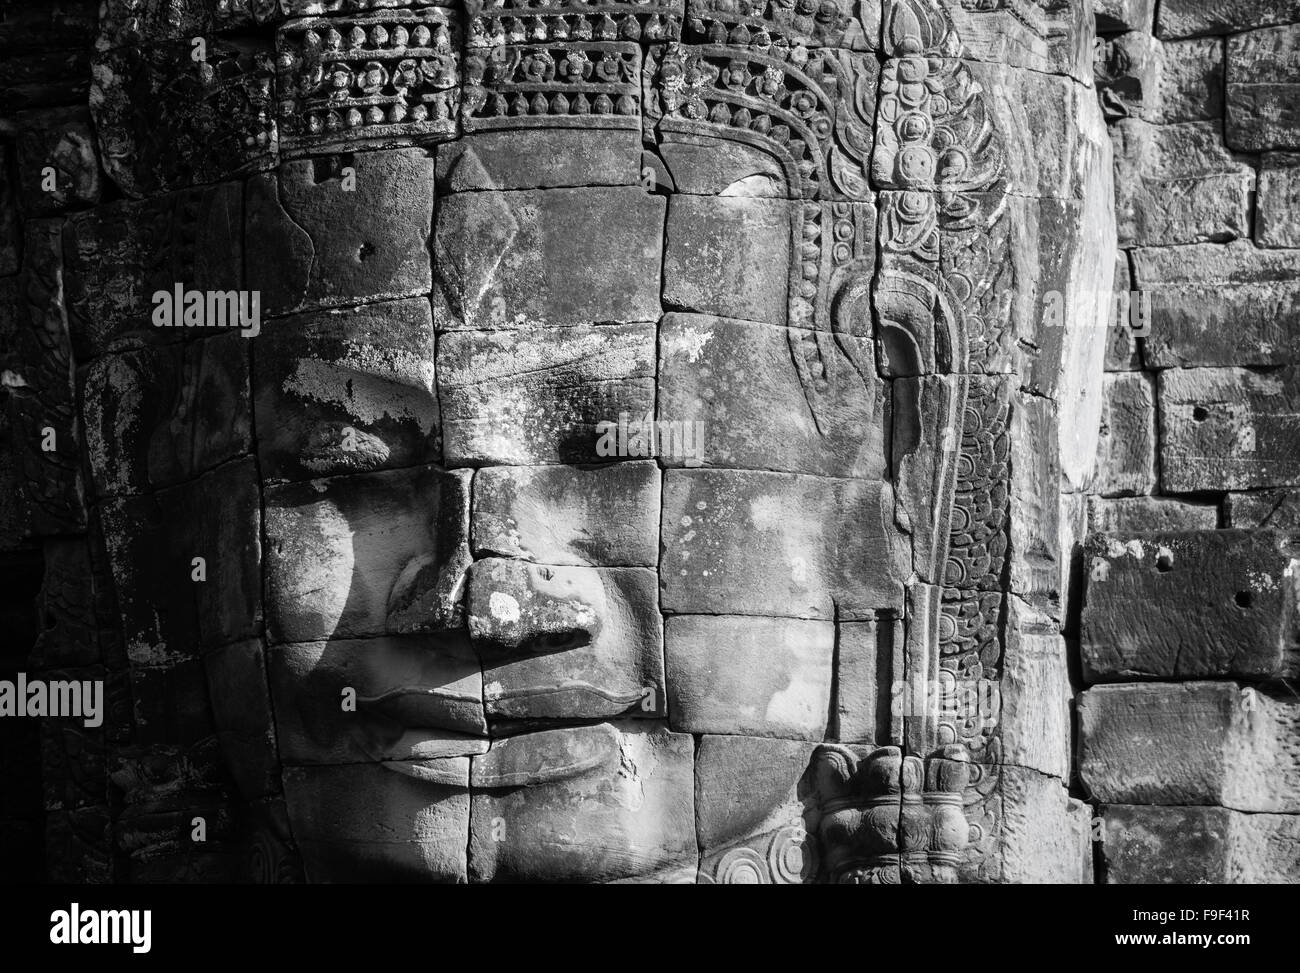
column 1191, row 743
column 1188, row 18
column 1126, row 515
column 1220, row 305
column 1277, row 218
column 565, row 642
column 1126, row 461
column 1210, row 603
column 1178, row 184
column 1263, row 93
column 152, row 540
column 738, row 379
column 750, row 813
column 1228, row 429
column 1199, row 845
column 368, row 554
column 159, row 415
column 118, row 255
column 547, row 258
column 730, row 547
column 583, row 804
column 748, row 675
column 520, row 397
column 312, row 243
column 606, row 516
column 396, row 821
column 347, row 391
column 540, row 159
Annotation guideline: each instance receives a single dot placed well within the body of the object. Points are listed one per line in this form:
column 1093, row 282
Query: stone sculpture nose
column 517, row 605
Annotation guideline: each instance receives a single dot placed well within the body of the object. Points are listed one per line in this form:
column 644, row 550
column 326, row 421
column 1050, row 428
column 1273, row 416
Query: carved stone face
column 794, row 237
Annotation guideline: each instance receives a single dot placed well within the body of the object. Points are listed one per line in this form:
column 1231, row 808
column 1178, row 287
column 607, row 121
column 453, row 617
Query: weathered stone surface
column 1228, row 429
column 312, row 242
column 1127, row 73
column 606, row 516
column 1127, row 330
column 729, row 546
column 1045, row 835
column 562, row 642
column 166, row 121
column 1191, row 743
column 347, row 391
column 1277, row 217
column 241, row 714
column 1178, row 184
column 1116, row 15
column 1032, row 700
column 1039, row 120
column 1165, row 83
column 397, row 821
column 1191, row 80
column 118, row 255
column 1179, row 605
column 547, row 258
column 748, row 675
column 63, row 142
column 749, row 811
column 1278, row 509
column 152, row 543
column 540, row 159
column 1049, row 40
column 712, row 244
column 1220, row 305
column 868, row 663
column 159, row 415
column 39, row 396
column 416, row 698
column 1263, row 90
column 685, row 163
column 1033, row 515
column 524, row 397
column 589, row 804
column 1187, row 18
column 1126, row 515
column 1198, row 846
column 1126, row 463
column 738, row 379
column 367, row 554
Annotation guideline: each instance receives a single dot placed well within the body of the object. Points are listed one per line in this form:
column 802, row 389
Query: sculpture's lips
column 573, row 698
column 526, row 760
column 421, row 707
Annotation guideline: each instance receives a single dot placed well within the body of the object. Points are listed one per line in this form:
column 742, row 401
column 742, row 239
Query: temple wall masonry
column 1187, row 727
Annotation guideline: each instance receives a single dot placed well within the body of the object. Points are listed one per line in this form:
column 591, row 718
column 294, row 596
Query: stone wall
column 1189, row 732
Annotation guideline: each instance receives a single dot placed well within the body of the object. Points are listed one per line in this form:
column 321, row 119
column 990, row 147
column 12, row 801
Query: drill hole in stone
column 1200, row 413
column 1165, row 562
column 1244, row 599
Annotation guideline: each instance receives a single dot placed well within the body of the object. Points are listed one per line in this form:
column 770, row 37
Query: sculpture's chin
column 593, row 803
